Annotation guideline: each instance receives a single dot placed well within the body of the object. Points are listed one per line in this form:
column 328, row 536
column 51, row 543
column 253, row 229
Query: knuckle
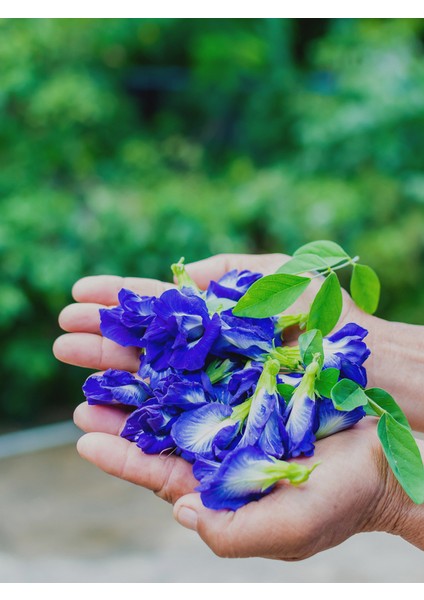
column 169, row 486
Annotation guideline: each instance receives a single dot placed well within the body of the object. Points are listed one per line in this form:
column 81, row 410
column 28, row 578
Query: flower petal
column 331, row 420
column 204, row 468
column 299, row 426
column 249, row 337
column 263, row 404
column 195, row 431
column 274, row 439
column 112, row 327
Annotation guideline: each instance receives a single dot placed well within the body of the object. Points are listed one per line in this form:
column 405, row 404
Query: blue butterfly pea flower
column 153, row 377
column 345, row 350
column 251, row 338
column 150, row 427
column 246, row 474
column 205, row 431
column 126, row 324
column 243, row 382
column 274, row 439
column 264, row 425
column 184, row 392
column 300, row 414
column 232, row 286
column 182, row 333
column 116, row 387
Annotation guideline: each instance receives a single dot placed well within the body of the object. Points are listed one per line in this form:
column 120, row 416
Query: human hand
column 171, row 477
column 352, row 491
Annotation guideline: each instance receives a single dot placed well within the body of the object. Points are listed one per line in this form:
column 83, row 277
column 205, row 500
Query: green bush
column 129, row 143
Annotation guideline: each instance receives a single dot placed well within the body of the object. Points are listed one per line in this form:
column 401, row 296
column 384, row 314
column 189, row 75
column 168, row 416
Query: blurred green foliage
column 126, row 144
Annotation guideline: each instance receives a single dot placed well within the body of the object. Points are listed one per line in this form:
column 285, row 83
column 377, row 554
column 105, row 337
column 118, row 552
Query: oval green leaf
column 365, row 288
column 286, row 391
column 270, row 296
column 327, row 380
column 302, row 264
column 403, row 456
column 327, row 306
column 310, row 343
column 325, row 249
column 388, row 404
column 347, row 395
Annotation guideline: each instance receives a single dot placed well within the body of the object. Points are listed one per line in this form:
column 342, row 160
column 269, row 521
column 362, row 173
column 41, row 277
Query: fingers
column 169, row 477
column 104, row 289
column 96, row 292
column 203, row 271
column 83, row 346
column 104, row 419
column 95, row 352
column 81, row 318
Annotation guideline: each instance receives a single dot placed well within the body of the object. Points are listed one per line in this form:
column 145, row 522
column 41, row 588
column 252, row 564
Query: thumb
column 190, row 512
column 248, row 531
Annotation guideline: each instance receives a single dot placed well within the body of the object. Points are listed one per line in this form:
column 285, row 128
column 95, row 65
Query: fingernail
column 187, row 517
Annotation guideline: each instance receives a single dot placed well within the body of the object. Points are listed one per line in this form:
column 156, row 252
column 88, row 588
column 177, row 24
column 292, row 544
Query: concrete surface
column 62, row 520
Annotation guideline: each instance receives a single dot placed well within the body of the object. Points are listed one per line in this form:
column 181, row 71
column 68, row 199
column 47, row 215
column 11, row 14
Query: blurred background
column 127, row 143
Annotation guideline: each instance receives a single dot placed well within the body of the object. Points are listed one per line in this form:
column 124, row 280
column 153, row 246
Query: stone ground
column 62, row 520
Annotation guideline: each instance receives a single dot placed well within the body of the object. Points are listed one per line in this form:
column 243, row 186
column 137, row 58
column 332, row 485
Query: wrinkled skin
column 352, row 490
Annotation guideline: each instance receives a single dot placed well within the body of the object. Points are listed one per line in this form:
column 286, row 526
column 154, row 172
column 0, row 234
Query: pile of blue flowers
column 226, row 393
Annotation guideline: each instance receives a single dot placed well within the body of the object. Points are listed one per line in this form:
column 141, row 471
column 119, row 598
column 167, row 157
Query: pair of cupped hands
column 351, row 491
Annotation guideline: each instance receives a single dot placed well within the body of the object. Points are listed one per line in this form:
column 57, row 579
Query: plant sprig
column 273, row 294
column 393, row 429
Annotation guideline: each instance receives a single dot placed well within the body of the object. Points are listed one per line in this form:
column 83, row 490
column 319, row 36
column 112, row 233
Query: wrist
column 396, row 364
column 396, row 512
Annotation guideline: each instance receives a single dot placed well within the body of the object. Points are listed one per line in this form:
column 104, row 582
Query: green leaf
column 365, row 288
column 310, row 343
column 347, row 395
column 270, row 295
column 327, row 306
column 286, row 391
column 403, row 456
column 327, row 380
column 330, row 252
column 387, row 403
column 302, row 264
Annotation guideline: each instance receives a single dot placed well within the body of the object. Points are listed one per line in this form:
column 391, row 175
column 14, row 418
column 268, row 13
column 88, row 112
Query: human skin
column 351, row 491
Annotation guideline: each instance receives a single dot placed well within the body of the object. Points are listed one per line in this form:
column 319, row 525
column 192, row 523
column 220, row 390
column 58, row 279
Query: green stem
column 181, row 275
column 328, row 270
column 241, row 411
column 287, row 356
column 289, row 320
column 376, row 408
